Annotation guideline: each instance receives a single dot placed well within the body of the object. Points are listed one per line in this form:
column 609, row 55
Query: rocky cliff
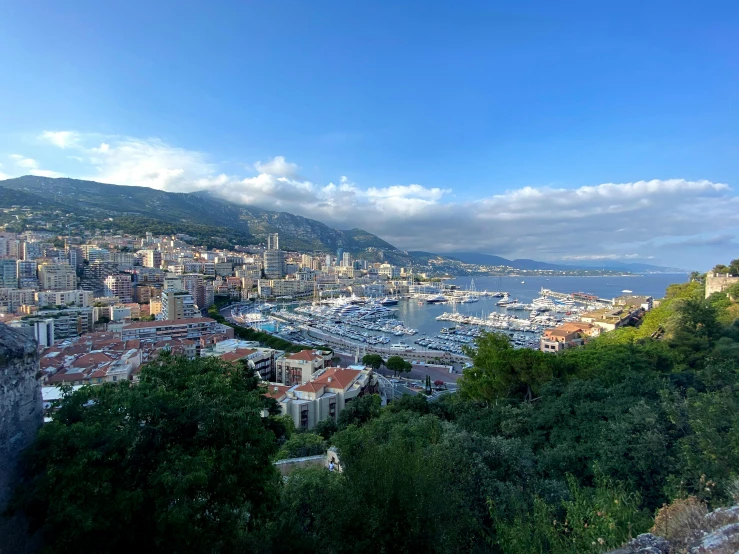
column 688, row 528
column 21, row 416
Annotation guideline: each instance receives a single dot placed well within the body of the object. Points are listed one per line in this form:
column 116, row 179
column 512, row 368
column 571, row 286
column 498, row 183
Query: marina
column 433, row 321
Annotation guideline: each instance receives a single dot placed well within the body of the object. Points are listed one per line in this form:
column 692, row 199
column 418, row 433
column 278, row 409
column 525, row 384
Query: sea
column 525, row 289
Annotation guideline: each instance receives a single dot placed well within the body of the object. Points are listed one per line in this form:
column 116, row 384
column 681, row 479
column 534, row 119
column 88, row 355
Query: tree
column 360, row 410
column 374, row 361
column 301, row 445
column 397, row 365
column 180, row 462
column 498, row 370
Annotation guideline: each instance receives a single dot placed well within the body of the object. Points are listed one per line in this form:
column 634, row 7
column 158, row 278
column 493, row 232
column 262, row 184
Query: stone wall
column 21, row 416
column 718, row 282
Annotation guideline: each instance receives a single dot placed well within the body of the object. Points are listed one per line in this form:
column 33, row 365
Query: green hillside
column 210, row 219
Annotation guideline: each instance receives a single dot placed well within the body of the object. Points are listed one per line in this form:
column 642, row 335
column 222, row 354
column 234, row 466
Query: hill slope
column 138, row 209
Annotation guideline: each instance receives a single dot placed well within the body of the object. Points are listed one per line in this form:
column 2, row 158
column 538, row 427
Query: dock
column 581, row 297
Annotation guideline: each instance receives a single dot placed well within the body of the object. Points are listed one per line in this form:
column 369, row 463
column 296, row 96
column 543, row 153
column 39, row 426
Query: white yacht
column 401, row 346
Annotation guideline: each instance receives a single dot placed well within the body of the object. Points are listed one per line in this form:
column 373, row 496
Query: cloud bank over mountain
column 668, row 219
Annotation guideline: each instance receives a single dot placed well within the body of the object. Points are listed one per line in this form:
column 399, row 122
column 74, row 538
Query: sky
column 559, row 131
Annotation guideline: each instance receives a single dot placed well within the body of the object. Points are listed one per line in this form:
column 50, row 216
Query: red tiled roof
column 91, row 359
column 65, row 377
column 306, row 355
column 340, row 378
column 311, row 386
column 276, row 391
column 236, row 355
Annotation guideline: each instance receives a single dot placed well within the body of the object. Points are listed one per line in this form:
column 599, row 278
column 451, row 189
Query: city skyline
column 462, row 130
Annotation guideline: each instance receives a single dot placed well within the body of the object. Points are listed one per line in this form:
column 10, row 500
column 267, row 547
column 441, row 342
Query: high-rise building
column 8, row 274
column 33, row 250
column 339, row 255
column 57, row 276
column 27, row 278
column 121, row 286
column 76, row 257
column 274, row 264
column 273, row 241
column 346, row 259
column 177, row 304
column 152, row 258
column 193, row 283
column 328, row 260
column 15, row 249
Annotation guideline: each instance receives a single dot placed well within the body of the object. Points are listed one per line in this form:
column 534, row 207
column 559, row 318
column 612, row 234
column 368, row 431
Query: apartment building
column 57, row 276
column 261, row 360
column 79, row 298
column 274, row 264
column 8, row 274
column 298, row 368
column 152, row 258
column 11, row 299
column 177, row 304
column 67, row 322
column 567, row 335
column 182, row 329
column 324, row 397
column 119, row 285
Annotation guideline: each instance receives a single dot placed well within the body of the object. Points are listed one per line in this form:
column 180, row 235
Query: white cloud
column 602, row 221
column 61, row 139
column 22, row 161
column 277, row 166
column 31, row 167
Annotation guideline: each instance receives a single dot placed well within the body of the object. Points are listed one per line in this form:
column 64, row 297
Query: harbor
column 429, row 323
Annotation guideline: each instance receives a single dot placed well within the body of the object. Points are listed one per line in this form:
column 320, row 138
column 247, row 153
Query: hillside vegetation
column 567, row 453
column 210, row 219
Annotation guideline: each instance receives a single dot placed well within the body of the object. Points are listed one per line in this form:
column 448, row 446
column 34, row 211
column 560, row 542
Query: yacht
column 435, row 298
column 387, row 301
column 401, row 346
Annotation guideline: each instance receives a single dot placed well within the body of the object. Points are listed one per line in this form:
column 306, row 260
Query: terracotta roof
column 306, row 355
column 276, row 391
column 340, row 378
column 311, row 386
column 64, row 376
column 236, row 355
column 91, row 359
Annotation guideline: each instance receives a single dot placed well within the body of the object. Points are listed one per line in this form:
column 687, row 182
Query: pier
column 575, row 296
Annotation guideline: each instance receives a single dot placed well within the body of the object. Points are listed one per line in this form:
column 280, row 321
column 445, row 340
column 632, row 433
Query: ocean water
column 525, row 289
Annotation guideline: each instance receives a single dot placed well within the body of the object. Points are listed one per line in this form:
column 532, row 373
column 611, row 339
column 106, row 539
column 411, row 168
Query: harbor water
column 422, row 316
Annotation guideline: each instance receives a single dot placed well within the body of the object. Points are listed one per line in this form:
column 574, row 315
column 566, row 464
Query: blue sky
column 485, row 126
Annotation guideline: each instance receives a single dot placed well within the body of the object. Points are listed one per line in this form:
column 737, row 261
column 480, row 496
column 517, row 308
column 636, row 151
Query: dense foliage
column 562, row 453
column 179, row 462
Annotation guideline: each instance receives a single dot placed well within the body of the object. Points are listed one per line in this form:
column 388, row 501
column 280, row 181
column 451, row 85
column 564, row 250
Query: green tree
column 498, row 370
column 397, row 365
column 302, row 444
column 326, row 428
column 587, row 520
column 360, row 410
column 374, row 361
column 179, row 462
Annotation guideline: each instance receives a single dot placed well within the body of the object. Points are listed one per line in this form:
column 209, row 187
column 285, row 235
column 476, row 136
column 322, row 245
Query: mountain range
column 200, row 214
column 526, row 264
column 216, row 222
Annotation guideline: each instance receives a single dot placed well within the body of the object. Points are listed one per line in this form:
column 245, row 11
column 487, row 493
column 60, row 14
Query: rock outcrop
column 714, row 532
column 21, row 416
